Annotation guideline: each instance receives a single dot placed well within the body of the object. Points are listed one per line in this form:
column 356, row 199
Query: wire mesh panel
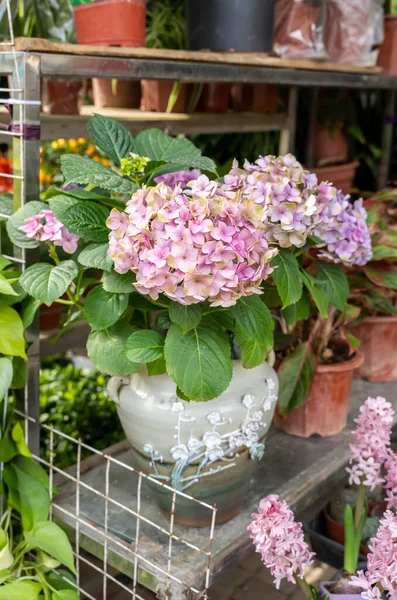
column 123, row 544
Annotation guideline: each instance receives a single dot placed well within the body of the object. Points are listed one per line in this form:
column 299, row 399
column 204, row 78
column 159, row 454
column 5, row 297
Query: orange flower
column 5, row 168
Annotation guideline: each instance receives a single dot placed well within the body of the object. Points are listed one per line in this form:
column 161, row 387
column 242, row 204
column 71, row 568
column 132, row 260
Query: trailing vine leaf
column 47, row 283
column 382, row 277
column 83, row 170
column 102, row 309
column 50, row 538
column 84, row 218
column 29, row 309
column 6, row 372
column 95, row 256
column 380, row 252
column 6, row 288
column 106, row 350
column 20, row 590
column 12, row 339
column 18, row 237
column 111, row 137
column 199, row 361
column 295, row 374
column 287, row 277
column 144, row 346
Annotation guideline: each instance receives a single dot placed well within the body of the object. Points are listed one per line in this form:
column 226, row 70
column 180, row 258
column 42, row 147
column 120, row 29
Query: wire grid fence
column 114, row 528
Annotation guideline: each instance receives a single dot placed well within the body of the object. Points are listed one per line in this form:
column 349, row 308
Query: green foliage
column 287, row 277
column 144, row 346
column 186, row 316
column 83, row 170
column 76, row 402
column 95, row 256
column 111, row 137
column 47, row 283
column 118, row 284
column 296, row 374
column 102, row 309
column 18, row 237
column 335, row 283
column 12, row 340
column 165, row 24
column 199, row 361
column 82, row 217
column 106, row 350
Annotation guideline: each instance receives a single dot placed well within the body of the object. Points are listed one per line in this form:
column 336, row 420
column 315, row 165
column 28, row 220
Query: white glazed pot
column 200, row 448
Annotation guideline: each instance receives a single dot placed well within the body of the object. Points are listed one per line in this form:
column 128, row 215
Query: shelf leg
column 26, row 164
column 287, row 137
column 387, row 139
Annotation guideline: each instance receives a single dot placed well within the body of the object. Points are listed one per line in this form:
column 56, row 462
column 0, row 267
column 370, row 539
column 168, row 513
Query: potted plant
column 374, row 293
column 279, row 539
column 318, row 360
column 387, row 58
column 299, row 29
column 36, row 556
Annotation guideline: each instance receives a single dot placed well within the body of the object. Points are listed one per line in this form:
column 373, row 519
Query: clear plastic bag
column 344, row 31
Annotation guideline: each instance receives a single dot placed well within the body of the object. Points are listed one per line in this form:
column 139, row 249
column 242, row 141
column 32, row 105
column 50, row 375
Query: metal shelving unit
column 304, row 472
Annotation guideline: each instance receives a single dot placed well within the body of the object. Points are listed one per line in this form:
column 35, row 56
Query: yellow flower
column 54, row 145
column 61, row 143
column 91, row 150
column 73, row 144
column 42, row 177
column 48, row 178
column 97, row 159
column 41, row 161
column 105, row 162
column 82, row 141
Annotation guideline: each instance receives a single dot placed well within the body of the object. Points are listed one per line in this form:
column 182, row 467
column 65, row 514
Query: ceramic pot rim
column 324, row 587
column 95, row 5
column 348, row 365
column 382, row 319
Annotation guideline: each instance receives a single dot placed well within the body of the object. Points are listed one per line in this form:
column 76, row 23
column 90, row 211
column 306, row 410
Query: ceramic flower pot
column 256, row 97
column 330, row 148
column 341, row 176
column 324, row 592
column 387, row 58
column 125, row 94
column 325, row 410
column 222, row 25
column 378, row 337
column 206, row 449
column 156, row 93
column 214, row 98
column 111, row 23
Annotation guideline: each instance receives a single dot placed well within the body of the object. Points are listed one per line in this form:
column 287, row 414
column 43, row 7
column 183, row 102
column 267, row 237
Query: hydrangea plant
column 187, row 268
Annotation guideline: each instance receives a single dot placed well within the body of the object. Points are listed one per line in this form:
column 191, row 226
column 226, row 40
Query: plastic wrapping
column 344, row 31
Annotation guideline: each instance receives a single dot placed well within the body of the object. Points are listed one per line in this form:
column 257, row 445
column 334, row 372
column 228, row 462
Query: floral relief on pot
column 209, row 437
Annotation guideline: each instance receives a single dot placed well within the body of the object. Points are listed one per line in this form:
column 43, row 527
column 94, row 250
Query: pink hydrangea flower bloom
column 279, row 540
column 381, row 562
column 371, row 442
column 202, row 243
column 178, row 177
column 295, row 202
column 45, row 227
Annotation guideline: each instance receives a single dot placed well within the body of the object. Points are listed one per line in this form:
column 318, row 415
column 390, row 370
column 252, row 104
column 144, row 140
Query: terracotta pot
column 295, row 29
column 325, row 410
column 128, row 93
column 214, row 98
column 324, row 592
column 346, row 32
column 336, row 531
column 50, row 316
column 330, row 148
column 61, row 97
column 341, row 176
column 378, row 337
column 208, row 434
column 156, row 93
column 111, row 23
column 256, row 97
column 387, row 58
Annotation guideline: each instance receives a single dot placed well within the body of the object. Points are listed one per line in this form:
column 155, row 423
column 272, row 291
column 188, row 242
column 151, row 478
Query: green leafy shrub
column 75, row 401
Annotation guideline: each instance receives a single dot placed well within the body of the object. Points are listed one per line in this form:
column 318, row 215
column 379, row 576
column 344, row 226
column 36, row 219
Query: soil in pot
column 330, row 147
column 111, row 23
column 204, row 449
column 156, row 93
column 387, row 58
column 118, row 94
column 256, row 98
column 341, row 176
column 378, row 337
column 326, row 408
column 61, row 97
column 214, row 98
column 222, row 25
column 341, row 589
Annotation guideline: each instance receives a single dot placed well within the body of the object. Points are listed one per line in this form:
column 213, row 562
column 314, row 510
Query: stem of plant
column 305, row 587
column 360, row 505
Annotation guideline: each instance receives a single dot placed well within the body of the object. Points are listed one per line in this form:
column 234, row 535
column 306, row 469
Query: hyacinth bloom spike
column 371, row 444
column 279, row 539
